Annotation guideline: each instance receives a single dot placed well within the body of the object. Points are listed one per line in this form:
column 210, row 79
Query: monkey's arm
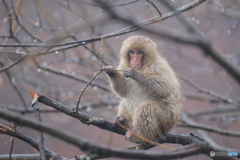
column 117, row 81
column 153, row 84
column 119, row 84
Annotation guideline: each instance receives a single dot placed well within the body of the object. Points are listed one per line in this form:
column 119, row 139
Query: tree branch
column 191, row 124
column 90, row 147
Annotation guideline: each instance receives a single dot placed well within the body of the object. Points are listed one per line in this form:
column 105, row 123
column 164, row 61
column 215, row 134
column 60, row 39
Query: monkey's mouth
column 136, row 66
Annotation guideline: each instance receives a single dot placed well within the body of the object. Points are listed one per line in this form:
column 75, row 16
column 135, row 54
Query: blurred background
column 60, row 72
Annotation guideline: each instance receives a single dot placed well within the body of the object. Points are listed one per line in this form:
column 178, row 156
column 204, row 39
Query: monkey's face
column 136, row 58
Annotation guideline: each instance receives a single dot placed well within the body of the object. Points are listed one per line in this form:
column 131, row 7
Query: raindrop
column 94, row 58
column 228, row 32
column 70, row 93
column 88, row 109
column 13, row 80
column 197, row 22
column 39, row 70
column 109, row 106
column 80, row 106
column 95, row 87
column 56, row 52
column 234, row 26
column 44, row 64
column 5, row 19
column 35, row 40
column 228, row 56
column 83, row 42
column 76, row 60
column 193, row 18
column 222, row 9
column 63, row 93
column 73, row 73
column 63, row 71
column 37, row 24
column 116, row 36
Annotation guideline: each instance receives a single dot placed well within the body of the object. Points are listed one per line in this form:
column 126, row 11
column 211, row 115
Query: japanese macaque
column 150, row 91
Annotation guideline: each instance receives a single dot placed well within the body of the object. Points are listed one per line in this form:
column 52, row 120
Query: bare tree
column 55, row 50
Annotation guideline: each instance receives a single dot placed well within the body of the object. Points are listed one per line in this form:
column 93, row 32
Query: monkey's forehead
column 138, row 40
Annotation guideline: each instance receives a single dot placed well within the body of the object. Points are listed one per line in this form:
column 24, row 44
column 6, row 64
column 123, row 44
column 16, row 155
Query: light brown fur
column 151, row 104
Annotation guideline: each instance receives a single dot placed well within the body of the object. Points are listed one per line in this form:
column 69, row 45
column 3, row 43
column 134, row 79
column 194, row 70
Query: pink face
column 136, row 58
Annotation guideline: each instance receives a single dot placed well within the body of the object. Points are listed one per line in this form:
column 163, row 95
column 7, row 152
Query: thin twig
column 74, row 77
column 191, row 124
column 11, row 149
column 225, row 99
column 38, row 117
column 149, row 9
column 82, row 91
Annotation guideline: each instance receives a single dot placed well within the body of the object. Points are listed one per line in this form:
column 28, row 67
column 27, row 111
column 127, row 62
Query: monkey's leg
column 123, row 115
column 150, row 121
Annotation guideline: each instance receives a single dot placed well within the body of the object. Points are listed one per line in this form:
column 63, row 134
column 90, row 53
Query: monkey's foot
column 132, row 138
column 121, row 119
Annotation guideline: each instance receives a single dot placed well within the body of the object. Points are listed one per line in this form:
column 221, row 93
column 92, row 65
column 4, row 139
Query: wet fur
column 151, row 104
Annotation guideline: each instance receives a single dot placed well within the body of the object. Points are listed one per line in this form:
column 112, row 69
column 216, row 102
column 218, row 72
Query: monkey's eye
column 131, row 52
column 140, row 52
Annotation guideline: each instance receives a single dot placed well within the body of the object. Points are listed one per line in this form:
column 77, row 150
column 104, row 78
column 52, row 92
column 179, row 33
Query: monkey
column 149, row 89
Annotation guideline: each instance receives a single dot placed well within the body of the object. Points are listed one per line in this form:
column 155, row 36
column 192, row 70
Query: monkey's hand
column 129, row 73
column 109, row 70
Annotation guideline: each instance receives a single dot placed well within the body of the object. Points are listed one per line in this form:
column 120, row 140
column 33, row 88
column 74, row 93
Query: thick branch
column 94, row 148
column 40, row 133
column 87, row 119
column 8, row 131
